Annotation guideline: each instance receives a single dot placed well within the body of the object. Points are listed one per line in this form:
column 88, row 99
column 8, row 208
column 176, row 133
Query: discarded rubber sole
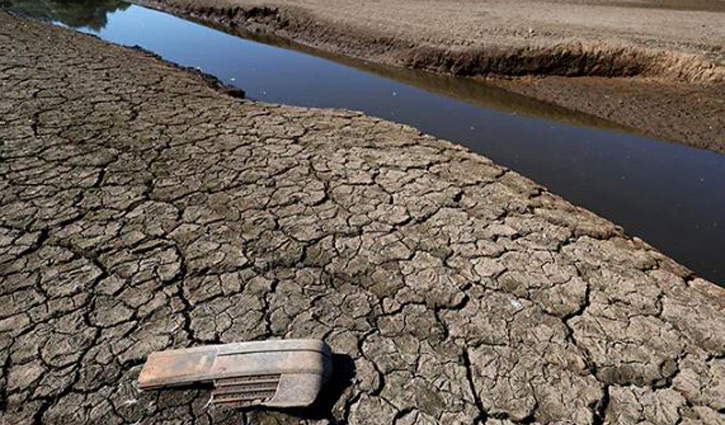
column 279, row 373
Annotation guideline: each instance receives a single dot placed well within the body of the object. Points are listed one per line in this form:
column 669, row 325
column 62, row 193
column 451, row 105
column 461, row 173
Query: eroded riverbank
column 675, row 54
column 144, row 209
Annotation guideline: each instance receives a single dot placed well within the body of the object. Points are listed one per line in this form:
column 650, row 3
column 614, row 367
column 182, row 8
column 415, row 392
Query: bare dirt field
column 143, row 208
column 639, row 53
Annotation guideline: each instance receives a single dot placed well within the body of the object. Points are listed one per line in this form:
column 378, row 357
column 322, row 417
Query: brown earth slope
column 674, row 48
column 142, row 209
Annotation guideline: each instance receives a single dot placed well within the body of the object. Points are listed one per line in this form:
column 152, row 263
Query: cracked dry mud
column 143, row 209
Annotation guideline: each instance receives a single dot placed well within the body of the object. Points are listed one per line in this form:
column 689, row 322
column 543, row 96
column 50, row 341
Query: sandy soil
column 674, row 48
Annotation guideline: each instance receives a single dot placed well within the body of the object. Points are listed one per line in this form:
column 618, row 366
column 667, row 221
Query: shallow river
column 670, row 195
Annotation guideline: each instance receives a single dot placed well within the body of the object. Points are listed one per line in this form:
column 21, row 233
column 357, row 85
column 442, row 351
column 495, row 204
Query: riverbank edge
column 573, row 59
column 572, row 76
column 219, row 86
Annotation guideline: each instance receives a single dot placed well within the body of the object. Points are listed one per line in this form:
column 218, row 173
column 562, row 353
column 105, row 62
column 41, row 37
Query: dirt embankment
column 673, row 53
column 143, row 209
column 494, row 37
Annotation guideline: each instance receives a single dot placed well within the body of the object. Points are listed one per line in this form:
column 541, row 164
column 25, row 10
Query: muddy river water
column 670, row 195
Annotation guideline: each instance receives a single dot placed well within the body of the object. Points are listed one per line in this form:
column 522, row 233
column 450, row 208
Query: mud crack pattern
column 142, row 209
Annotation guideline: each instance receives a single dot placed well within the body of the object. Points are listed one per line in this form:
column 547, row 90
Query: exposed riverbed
column 142, row 208
column 670, row 195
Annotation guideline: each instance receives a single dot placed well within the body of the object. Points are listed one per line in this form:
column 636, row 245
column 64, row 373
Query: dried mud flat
column 656, row 66
column 144, row 209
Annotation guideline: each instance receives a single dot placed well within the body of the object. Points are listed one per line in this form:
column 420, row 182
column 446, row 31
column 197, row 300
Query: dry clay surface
column 143, row 209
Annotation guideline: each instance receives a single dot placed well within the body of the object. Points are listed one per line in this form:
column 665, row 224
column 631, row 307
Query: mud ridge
column 576, row 60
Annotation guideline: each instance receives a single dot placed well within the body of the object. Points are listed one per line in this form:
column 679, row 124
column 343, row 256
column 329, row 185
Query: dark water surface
column 670, row 195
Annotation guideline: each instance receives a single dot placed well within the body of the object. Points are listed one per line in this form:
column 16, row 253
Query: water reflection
column 473, row 91
column 91, row 14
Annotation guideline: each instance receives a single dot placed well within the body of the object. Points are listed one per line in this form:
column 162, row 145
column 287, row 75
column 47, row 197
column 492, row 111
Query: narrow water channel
column 668, row 194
